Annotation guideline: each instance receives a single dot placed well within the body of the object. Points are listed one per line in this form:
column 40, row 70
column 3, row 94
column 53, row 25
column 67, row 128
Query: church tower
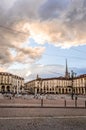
column 67, row 75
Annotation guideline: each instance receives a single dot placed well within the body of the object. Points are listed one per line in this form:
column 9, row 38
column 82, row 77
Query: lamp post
column 72, row 77
column 41, row 86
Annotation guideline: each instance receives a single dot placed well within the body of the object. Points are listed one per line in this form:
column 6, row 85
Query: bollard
column 64, row 103
column 85, row 104
column 75, row 101
column 42, row 102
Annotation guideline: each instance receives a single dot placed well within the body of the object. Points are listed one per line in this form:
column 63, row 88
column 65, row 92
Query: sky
column 37, row 36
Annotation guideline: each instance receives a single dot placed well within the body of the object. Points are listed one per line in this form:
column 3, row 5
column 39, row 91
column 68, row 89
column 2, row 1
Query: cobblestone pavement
column 42, row 118
column 41, row 112
column 43, row 124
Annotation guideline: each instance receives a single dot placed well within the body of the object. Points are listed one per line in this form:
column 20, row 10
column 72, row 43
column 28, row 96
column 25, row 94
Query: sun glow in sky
column 37, row 36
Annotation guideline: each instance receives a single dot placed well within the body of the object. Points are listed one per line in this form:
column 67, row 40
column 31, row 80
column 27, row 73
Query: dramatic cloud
column 33, row 53
column 56, row 22
column 64, row 21
column 53, row 8
column 14, row 32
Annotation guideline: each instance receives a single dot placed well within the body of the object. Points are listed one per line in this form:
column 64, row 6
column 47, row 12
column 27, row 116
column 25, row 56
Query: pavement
column 42, row 119
column 43, row 124
column 37, row 103
column 27, row 114
column 41, row 112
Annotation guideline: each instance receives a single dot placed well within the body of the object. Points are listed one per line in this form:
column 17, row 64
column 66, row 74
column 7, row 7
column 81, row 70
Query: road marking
column 50, row 117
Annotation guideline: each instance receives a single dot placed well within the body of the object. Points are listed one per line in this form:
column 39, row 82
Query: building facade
column 59, row 85
column 10, row 83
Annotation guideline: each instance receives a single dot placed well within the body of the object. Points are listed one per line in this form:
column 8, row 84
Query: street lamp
column 72, row 77
column 41, row 85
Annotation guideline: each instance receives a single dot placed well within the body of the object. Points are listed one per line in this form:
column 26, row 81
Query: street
column 42, row 119
column 27, row 114
column 47, row 123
